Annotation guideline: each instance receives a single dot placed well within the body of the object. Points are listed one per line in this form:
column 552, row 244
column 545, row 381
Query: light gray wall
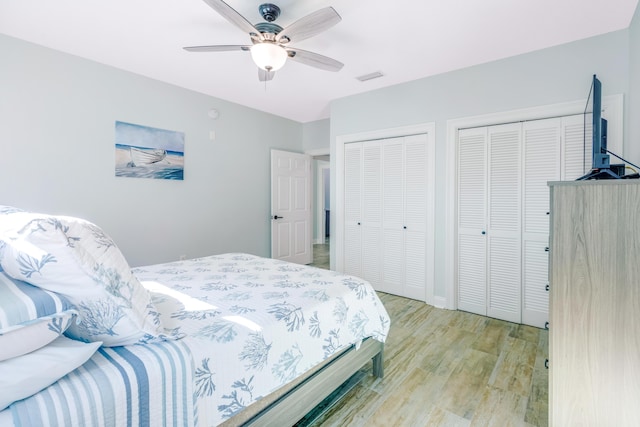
column 57, row 115
column 632, row 148
column 315, row 139
column 316, row 136
column 554, row 75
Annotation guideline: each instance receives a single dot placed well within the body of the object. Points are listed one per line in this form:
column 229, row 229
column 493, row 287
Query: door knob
column 277, row 217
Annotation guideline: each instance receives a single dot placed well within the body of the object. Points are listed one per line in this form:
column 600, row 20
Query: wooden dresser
column 594, row 270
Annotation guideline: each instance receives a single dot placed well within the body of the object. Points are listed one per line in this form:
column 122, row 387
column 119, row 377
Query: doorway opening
column 321, row 245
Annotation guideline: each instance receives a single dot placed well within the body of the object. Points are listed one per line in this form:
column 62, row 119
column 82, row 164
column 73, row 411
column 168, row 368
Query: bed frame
column 333, row 378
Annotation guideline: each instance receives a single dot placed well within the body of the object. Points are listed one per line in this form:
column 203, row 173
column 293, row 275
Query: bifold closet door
column 393, row 202
column 503, row 212
column 405, row 186
column 504, row 281
column 363, row 214
column 489, row 221
column 542, row 163
column 388, row 211
column 576, row 146
column 353, row 209
column 472, row 209
column 371, row 223
column 416, row 214
column 554, row 149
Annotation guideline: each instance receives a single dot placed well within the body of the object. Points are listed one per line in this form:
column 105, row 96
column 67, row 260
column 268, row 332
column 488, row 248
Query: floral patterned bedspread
column 253, row 324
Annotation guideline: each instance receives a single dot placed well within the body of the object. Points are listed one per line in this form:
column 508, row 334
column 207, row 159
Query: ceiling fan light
column 268, row 56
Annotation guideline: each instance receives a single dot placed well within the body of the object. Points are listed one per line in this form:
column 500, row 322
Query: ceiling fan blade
column 309, row 26
column 265, row 76
column 231, row 15
column 314, row 60
column 216, row 48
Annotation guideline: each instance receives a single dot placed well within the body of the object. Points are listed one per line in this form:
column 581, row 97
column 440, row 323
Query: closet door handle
column 277, row 217
column 405, row 227
column 484, row 232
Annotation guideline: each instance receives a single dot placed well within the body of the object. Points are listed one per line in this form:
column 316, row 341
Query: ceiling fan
column 270, row 42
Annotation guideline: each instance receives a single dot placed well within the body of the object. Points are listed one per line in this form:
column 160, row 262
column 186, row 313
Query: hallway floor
column 321, row 255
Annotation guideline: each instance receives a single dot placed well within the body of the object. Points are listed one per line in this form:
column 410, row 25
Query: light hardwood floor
column 451, row 368
column 321, row 255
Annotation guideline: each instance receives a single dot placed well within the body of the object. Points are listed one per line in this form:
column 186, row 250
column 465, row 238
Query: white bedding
column 252, row 325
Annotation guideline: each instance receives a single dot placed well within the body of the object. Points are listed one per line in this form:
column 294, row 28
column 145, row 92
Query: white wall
column 57, row 115
column 554, row 75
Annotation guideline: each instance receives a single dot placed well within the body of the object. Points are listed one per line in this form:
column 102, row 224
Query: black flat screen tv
column 600, row 166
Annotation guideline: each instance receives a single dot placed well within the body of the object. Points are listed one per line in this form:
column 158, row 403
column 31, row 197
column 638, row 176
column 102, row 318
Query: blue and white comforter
column 252, row 325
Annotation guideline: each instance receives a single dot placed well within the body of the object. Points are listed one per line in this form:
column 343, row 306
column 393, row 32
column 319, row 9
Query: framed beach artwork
column 146, row 152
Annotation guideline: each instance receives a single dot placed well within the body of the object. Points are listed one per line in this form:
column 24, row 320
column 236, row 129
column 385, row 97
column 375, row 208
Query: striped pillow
column 30, row 317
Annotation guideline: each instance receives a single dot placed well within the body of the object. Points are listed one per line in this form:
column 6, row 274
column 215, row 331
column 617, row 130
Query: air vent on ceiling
column 370, row 76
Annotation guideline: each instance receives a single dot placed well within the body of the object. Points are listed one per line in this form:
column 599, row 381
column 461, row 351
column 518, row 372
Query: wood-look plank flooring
column 450, row 368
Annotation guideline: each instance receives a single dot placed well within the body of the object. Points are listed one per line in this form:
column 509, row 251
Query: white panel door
column 291, row 207
column 472, row 201
column 504, row 223
column 352, row 209
column 542, row 161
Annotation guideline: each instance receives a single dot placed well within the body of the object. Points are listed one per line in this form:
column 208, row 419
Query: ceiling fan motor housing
column 269, row 12
column 268, row 27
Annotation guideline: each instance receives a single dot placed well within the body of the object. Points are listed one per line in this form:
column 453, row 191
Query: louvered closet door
column 415, row 216
column 504, row 223
column 371, row 212
column 472, row 200
column 393, row 211
column 404, row 247
column 541, row 145
column 352, row 209
column 577, row 142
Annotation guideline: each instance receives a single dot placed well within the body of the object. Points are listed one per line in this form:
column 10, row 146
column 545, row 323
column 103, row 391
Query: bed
column 231, row 339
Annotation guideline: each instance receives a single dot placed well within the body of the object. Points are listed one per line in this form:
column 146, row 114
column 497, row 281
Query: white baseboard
column 318, row 241
column 440, row 302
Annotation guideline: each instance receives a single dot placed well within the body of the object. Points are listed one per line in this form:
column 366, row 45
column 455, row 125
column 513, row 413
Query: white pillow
column 26, row 375
column 75, row 258
column 30, row 317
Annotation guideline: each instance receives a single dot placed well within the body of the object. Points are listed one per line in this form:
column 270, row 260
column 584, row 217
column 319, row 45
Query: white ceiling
column 404, row 39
